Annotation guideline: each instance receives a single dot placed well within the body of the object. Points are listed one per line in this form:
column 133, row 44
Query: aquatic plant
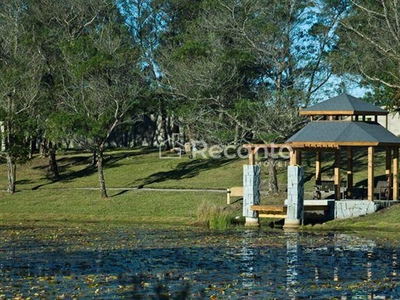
column 214, row 216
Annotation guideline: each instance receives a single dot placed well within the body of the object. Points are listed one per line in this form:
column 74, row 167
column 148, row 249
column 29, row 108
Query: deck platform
column 280, row 211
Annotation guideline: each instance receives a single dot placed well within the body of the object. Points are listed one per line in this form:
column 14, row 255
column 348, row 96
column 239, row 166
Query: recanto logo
column 174, row 148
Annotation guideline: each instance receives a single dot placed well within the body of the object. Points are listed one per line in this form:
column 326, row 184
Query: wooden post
column 371, row 152
column 295, row 157
column 388, row 171
column 337, row 174
column 251, row 156
column 349, row 172
column 395, row 173
column 318, row 166
column 251, row 193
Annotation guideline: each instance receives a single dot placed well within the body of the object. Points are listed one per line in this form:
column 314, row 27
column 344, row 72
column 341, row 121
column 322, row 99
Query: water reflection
column 146, row 262
column 249, row 256
column 292, row 258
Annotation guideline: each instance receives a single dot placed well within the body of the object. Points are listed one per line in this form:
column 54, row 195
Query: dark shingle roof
column 344, row 104
column 342, row 133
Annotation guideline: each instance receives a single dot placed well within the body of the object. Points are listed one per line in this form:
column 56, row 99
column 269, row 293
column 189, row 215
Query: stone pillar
column 251, row 193
column 295, row 200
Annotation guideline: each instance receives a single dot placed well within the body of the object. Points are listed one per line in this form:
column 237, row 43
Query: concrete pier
column 251, row 193
column 295, row 199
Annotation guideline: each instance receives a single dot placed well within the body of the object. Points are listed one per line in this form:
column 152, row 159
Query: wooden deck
column 280, row 211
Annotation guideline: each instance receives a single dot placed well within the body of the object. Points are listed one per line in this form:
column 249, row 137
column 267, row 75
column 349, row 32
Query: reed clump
column 214, row 216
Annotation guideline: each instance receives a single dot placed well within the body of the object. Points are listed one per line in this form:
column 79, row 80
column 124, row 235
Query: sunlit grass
column 133, row 206
column 76, row 198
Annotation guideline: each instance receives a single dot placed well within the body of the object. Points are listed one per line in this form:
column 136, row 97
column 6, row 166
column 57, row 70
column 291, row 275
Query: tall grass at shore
column 215, row 216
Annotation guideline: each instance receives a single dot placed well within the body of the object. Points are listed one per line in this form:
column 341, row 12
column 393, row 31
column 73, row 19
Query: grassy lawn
column 130, row 169
column 129, row 174
column 76, row 198
column 133, row 206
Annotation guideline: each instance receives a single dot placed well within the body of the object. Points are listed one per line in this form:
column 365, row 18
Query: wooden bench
column 236, row 191
column 280, row 211
column 382, row 189
column 270, row 211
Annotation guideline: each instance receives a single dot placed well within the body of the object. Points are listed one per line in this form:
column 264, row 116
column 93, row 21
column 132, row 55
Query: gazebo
column 344, row 123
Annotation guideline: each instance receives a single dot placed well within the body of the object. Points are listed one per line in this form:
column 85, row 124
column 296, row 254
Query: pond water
column 136, row 262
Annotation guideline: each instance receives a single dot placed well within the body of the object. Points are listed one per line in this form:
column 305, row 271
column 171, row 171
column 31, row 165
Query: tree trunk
column 31, row 147
column 273, row 180
column 52, row 171
column 236, row 138
column 165, row 127
column 94, row 158
column 11, row 174
column 44, row 148
column 101, row 174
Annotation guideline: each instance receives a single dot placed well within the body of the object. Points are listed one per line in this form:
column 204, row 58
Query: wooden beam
column 269, row 208
column 371, row 151
column 332, row 145
column 396, row 173
column 306, row 112
column 283, row 209
column 336, row 175
column 272, row 216
column 349, row 172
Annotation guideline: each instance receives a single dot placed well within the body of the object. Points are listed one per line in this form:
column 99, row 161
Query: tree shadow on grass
column 184, row 170
column 66, row 166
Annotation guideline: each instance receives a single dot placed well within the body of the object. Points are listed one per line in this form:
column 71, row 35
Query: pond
column 142, row 262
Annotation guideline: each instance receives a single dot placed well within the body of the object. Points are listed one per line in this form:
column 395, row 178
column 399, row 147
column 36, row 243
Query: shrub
column 213, row 216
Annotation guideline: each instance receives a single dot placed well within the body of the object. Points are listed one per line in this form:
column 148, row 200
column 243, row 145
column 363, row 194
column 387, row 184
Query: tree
column 21, row 66
column 146, row 23
column 241, row 69
column 47, row 36
column 103, row 83
column 369, row 46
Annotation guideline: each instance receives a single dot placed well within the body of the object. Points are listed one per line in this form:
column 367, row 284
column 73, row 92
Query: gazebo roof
column 343, row 104
column 343, row 133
